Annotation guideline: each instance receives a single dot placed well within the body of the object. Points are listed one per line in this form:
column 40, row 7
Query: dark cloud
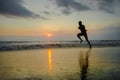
column 15, row 8
column 68, row 5
column 107, row 5
column 46, row 12
column 66, row 11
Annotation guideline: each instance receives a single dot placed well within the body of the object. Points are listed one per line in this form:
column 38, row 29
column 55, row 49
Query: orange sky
column 59, row 20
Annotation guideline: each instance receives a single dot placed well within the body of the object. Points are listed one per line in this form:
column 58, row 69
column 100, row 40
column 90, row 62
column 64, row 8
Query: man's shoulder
column 83, row 25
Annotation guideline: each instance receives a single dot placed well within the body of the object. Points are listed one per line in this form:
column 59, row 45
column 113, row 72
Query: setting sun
column 49, row 35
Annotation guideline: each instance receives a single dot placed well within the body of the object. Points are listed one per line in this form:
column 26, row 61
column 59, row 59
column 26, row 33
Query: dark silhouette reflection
column 84, row 64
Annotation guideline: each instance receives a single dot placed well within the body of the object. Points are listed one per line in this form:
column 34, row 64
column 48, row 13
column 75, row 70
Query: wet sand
column 61, row 64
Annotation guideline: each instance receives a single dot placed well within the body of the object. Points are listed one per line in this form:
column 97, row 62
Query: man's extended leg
column 86, row 37
column 78, row 35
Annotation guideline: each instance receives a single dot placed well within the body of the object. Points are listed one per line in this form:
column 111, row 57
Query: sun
column 49, row 35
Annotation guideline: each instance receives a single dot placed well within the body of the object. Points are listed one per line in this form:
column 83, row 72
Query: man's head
column 80, row 22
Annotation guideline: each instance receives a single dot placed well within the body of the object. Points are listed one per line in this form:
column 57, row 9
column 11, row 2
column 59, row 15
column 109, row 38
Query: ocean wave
column 25, row 45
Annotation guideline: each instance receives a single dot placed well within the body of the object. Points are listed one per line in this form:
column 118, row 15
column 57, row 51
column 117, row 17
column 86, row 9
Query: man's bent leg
column 78, row 35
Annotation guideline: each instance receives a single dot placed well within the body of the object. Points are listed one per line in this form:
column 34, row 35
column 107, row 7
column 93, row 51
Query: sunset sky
column 36, row 19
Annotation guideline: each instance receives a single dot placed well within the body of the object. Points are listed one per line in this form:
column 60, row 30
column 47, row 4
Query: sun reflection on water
column 50, row 60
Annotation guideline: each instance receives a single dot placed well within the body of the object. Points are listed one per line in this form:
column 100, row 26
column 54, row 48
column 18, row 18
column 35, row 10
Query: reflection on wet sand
column 84, row 64
column 49, row 51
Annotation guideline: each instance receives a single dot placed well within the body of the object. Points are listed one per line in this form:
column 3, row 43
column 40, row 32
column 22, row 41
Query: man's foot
column 81, row 41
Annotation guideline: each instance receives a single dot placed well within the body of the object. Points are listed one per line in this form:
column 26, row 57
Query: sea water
column 73, row 63
column 25, row 45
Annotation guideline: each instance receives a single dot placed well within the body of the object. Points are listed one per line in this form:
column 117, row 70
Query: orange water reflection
column 49, row 51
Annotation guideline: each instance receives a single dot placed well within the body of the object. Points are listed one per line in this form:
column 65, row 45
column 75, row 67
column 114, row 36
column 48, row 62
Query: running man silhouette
column 83, row 33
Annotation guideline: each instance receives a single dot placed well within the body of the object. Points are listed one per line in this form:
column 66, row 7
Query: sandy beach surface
column 61, row 64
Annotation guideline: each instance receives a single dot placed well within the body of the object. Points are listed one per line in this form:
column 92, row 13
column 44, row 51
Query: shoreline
column 45, row 46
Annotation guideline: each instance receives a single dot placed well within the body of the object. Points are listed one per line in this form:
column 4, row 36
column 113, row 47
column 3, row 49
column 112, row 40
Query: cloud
column 111, row 30
column 66, row 11
column 15, row 8
column 47, row 12
column 107, row 5
column 68, row 5
column 108, row 33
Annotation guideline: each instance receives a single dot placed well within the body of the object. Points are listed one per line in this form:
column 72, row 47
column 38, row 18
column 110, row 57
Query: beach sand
column 61, row 64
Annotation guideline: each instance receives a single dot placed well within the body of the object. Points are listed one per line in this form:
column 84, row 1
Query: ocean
column 70, row 63
column 24, row 45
